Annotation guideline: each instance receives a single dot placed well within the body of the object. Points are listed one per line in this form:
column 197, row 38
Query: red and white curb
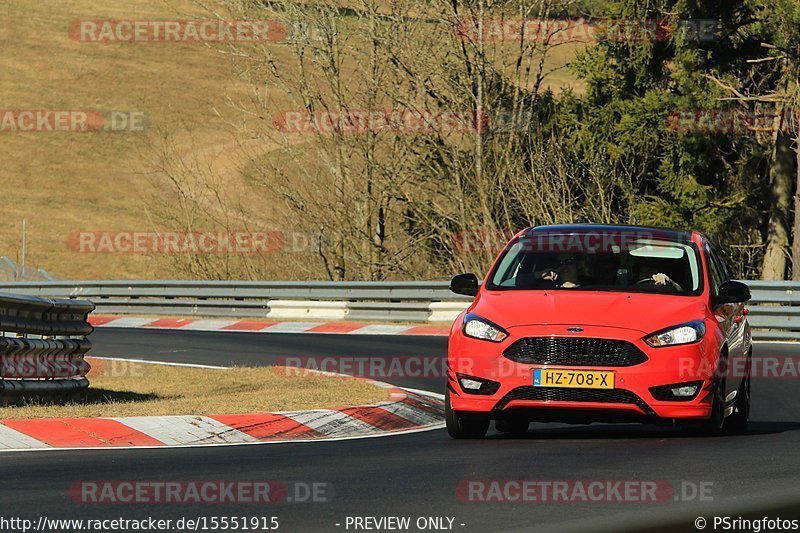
column 264, row 326
column 405, row 411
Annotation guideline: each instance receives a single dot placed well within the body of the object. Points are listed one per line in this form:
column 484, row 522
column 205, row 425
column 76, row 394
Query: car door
column 730, row 318
column 740, row 347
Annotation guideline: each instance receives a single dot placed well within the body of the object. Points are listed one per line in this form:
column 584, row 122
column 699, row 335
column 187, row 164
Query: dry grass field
column 64, row 183
column 67, row 182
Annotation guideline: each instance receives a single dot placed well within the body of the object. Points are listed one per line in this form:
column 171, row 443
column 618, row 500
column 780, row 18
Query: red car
column 590, row 323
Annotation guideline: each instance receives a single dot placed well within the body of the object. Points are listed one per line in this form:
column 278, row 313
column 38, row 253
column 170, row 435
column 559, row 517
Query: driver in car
column 565, row 273
column 648, row 272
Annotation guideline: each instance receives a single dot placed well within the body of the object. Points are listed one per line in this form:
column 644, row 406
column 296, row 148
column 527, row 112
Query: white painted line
column 291, row 327
column 184, row 430
column 11, row 439
column 163, row 363
column 331, row 423
column 380, row 329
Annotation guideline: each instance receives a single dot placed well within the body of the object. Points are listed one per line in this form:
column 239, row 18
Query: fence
column 10, row 271
column 774, row 309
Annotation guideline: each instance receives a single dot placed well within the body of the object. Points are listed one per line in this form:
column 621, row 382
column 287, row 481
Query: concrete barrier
column 299, row 309
column 446, row 311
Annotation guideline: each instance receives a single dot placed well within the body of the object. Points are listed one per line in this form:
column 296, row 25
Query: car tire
column 515, row 427
column 716, row 422
column 458, row 427
column 738, row 421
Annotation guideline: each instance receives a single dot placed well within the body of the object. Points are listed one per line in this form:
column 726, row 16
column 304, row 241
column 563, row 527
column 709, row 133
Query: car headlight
column 675, row 335
column 480, row 328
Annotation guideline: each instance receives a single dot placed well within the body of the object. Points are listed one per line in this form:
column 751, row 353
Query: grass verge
column 120, row 388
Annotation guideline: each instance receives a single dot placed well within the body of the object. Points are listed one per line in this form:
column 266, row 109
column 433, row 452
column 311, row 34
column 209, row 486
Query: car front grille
column 574, row 351
column 557, row 394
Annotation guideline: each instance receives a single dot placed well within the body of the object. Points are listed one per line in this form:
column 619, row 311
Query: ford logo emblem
column 575, row 330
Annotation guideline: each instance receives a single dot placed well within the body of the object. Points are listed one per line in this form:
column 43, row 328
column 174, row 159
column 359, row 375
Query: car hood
column 645, row 313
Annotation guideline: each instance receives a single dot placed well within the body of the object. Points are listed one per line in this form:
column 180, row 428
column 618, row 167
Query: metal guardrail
column 43, row 344
column 229, row 290
column 396, row 301
column 774, row 308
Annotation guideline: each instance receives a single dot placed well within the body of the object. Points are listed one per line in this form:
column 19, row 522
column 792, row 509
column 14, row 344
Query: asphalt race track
column 417, row 474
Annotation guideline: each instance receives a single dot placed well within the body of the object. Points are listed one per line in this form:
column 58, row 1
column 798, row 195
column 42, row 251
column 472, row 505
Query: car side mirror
column 466, row 284
column 732, row 292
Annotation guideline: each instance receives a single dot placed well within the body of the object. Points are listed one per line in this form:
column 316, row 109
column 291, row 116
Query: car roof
column 669, row 234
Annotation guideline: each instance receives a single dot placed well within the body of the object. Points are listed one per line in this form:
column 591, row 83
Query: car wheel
column 459, row 427
column 738, row 421
column 715, row 423
column 515, row 427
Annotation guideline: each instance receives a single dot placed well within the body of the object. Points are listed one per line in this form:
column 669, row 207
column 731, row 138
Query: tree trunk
column 796, row 224
column 781, row 181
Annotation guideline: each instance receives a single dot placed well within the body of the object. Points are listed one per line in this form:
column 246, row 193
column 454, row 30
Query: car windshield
column 628, row 264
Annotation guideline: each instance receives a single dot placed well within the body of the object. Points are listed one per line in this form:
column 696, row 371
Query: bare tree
column 334, row 153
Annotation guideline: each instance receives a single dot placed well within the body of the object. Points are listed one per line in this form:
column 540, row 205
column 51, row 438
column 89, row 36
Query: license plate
column 574, row 379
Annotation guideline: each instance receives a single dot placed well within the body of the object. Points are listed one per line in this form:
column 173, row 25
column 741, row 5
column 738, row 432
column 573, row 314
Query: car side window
column 723, row 263
column 720, row 264
column 509, row 268
column 716, row 277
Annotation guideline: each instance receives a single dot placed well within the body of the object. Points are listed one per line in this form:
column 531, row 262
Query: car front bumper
column 631, row 397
